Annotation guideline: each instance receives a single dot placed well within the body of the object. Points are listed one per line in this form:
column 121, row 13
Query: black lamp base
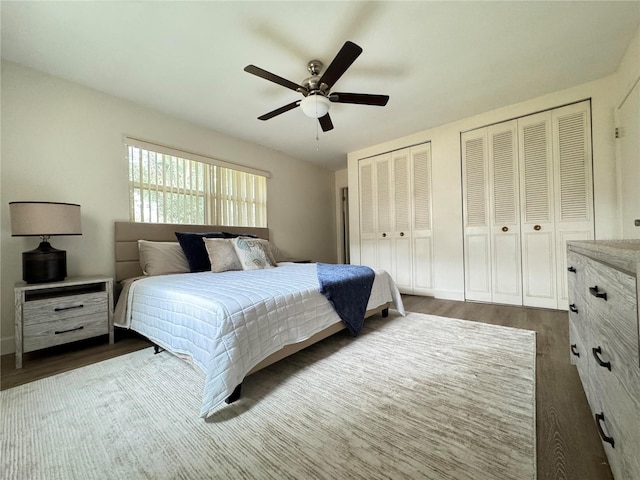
column 44, row 264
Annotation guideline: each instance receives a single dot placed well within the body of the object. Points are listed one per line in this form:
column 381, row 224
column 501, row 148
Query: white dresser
column 605, row 343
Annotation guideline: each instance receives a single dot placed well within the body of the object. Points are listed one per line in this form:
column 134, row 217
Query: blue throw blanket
column 347, row 287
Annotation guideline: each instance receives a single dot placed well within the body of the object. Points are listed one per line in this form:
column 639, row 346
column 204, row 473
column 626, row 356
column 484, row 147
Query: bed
column 233, row 323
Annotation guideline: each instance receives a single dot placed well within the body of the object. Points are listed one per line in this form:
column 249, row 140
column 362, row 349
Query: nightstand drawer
column 60, row 308
column 57, row 332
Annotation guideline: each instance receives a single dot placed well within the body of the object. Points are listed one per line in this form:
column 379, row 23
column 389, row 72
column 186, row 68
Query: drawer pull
column 605, row 438
column 573, row 308
column 594, row 291
column 58, row 332
column 572, row 269
column 574, row 351
column 62, row 309
column 596, row 352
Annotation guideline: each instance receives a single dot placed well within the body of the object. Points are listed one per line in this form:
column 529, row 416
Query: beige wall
column 63, row 142
column 341, row 181
column 629, row 70
column 447, row 181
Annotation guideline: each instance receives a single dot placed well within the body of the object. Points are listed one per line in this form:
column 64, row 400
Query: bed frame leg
column 385, row 312
column 157, row 349
column 235, row 395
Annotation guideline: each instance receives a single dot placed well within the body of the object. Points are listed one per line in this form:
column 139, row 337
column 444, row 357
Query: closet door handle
column 596, row 293
column 384, row 235
column 573, row 308
column 402, row 234
column 605, row 438
column 505, row 229
column 574, row 351
column 571, row 269
column 596, row 354
column 537, row 227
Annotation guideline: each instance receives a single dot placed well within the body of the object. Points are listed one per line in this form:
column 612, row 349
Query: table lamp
column 44, row 220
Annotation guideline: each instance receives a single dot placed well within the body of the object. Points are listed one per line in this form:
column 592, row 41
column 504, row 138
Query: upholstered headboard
column 127, row 235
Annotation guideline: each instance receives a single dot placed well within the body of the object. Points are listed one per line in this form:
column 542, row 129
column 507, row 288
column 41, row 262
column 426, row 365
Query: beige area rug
column 412, row 397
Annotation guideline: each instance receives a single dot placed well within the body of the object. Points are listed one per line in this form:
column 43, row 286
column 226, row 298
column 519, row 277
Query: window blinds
column 170, row 186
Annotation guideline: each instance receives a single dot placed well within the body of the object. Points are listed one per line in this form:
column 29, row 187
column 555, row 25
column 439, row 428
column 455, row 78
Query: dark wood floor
column 568, row 446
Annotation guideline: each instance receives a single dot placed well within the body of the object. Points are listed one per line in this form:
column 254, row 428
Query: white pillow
column 253, row 253
column 160, row 258
column 222, row 255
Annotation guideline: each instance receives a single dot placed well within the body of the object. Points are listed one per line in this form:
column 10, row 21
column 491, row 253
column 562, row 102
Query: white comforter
column 229, row 322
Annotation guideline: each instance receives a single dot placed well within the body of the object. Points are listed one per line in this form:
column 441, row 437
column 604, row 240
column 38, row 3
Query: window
column 170, row 186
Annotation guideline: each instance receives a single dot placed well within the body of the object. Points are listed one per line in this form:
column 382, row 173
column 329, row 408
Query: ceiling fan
column 316, row 89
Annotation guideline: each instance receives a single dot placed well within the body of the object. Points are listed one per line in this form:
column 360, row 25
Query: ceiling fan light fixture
column 315, row 106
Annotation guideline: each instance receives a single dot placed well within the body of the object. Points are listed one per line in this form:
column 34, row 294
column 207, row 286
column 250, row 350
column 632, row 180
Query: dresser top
column 624, row 254
column 68, row 282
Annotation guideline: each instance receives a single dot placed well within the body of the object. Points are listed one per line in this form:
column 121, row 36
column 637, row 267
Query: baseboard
column 7, row 345
column 449, row 295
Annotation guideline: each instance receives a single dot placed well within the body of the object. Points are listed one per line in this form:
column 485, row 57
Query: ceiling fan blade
column 345, row 57
column 280, row 110
column 326, row 123
column 359, row 98
column 272, row 77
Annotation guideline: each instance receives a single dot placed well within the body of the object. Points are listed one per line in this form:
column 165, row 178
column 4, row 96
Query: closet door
column 573, row 185
column 537, row 211
column 422, row 262
column 401, row 234
column 384, row 212
column 368, row 231
column 477, row 234
column 505, row 214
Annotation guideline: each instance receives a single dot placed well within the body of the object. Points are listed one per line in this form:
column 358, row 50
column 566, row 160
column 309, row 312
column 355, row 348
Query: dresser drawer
column 48, row 334
column 575, row 274
column 612, row 306
column 578, row 354
column 619, row 404
column 60, row 308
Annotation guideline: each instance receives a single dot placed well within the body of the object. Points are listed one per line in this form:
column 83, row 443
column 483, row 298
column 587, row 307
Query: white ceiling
column 438, row 61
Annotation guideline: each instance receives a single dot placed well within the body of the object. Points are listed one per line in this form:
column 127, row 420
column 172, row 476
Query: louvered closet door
column 477, row 234
column 505, row 214
column 422, row 262
column 402, row 231
column 384, row 213
column 368, row 232
column 537, row 211
column 573, row 185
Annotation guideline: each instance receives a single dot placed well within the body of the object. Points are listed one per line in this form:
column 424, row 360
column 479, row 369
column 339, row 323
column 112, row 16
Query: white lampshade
column 44, row 218
column 315, row 106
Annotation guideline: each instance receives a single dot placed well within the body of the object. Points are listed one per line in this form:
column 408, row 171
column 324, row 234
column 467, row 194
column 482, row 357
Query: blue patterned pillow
column 252, row 253
column 193, row 247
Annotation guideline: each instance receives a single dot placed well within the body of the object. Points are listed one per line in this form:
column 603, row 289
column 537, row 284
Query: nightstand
column 49, row 314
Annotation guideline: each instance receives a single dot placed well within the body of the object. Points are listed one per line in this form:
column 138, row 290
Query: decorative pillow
column 222, row 255
column 160, row 258
column 194, row 249
column 271, row 250
column 252, row 254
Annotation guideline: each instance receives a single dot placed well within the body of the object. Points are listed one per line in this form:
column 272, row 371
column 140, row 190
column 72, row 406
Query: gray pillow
column 222, row 255
column 160, row 258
